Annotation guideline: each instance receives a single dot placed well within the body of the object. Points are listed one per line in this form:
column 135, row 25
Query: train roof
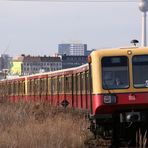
column 46, row 74
column 60, row 72
column 13, row 78
column 120, row 51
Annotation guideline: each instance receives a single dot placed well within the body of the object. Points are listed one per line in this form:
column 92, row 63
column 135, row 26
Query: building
column 72, row 49
column 16, row 66
column 5, row 60
column 73, row 61
column 88, row 52
column 26, row 65
column 64, row 49
column 2, row 75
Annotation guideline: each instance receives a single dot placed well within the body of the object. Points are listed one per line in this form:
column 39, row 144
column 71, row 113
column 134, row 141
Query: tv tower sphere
column 143, row 5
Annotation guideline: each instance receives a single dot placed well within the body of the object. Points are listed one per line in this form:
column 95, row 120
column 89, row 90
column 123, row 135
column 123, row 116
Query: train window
column 63, row 85
column 35, row 86
column 42, row 85
column 87, row 82
column 21, row 87
column 49, row 85
column 18, row 91
column 68, row 84
column 46, row 85
column 17, row 87
column 83, row 82
column 39, row 86
column 0, row 88
column 115, row 73
column 74, row 84
column 11, row 88
column 78, row 83
column 14, row 88
column 32, row 87
column 54, row 85
column 60, row 84
column 3, row 88
column 28, row 86
column 140, row 66
column 24, row 87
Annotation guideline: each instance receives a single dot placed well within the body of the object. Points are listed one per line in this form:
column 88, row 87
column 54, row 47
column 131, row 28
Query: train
column 112, row 88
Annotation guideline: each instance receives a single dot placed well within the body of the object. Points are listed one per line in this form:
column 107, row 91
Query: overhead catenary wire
column 81, row 1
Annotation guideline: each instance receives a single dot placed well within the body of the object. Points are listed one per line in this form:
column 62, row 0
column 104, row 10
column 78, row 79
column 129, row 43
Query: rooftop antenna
column 143, row 6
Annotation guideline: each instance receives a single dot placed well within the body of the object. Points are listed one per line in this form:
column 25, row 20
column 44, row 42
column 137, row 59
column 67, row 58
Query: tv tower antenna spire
column 143, row 6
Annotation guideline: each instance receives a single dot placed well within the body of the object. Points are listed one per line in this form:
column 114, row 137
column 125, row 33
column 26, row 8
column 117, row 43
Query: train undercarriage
column 123, row 128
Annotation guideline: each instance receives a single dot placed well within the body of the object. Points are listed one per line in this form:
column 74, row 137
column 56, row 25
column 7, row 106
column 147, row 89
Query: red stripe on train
column 124, row 101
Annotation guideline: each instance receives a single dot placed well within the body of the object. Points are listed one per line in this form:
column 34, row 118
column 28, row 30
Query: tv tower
column 143, row 6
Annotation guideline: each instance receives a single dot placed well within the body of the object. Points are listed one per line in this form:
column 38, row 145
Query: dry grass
column 29, row 125
column 141, row 140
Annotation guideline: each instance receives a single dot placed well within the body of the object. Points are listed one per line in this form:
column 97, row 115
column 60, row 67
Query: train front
column 120, row 85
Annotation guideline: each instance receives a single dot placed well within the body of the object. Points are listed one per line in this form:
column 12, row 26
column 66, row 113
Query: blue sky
column 37, row 28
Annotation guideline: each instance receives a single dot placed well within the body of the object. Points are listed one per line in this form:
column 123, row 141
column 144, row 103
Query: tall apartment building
column 25, row 65
column 72, row 49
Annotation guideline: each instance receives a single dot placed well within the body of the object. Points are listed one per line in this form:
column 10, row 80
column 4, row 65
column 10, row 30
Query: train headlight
column 109, row 99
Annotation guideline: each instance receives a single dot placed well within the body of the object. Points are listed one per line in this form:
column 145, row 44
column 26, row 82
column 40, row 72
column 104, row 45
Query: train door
column 49, row 89
column 68, row 90
column 60, row 89
column 44, row 87
column 28, row 90
column 87, row 90
column 83, row 90
column 33, row 89
column 41, row 88
column 74, row 90
column 54, row 91
column 38, row 90
column 21, row 89
column 77, row 92
column 79, row 97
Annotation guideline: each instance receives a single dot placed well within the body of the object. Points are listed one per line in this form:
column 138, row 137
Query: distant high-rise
column 64, row 49
column 72, row 49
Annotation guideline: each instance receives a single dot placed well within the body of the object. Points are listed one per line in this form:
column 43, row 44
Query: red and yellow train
column 112, row 87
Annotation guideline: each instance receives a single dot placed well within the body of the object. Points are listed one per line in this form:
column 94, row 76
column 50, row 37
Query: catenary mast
column 143, row 6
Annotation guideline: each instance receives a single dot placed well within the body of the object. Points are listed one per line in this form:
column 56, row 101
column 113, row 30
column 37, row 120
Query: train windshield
column 140, row 71
column 115, row 73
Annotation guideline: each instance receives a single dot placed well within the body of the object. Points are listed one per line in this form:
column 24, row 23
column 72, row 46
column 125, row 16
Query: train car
column 112, row 88
column 68, row 88
column 119, row 92
column 12, row 89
